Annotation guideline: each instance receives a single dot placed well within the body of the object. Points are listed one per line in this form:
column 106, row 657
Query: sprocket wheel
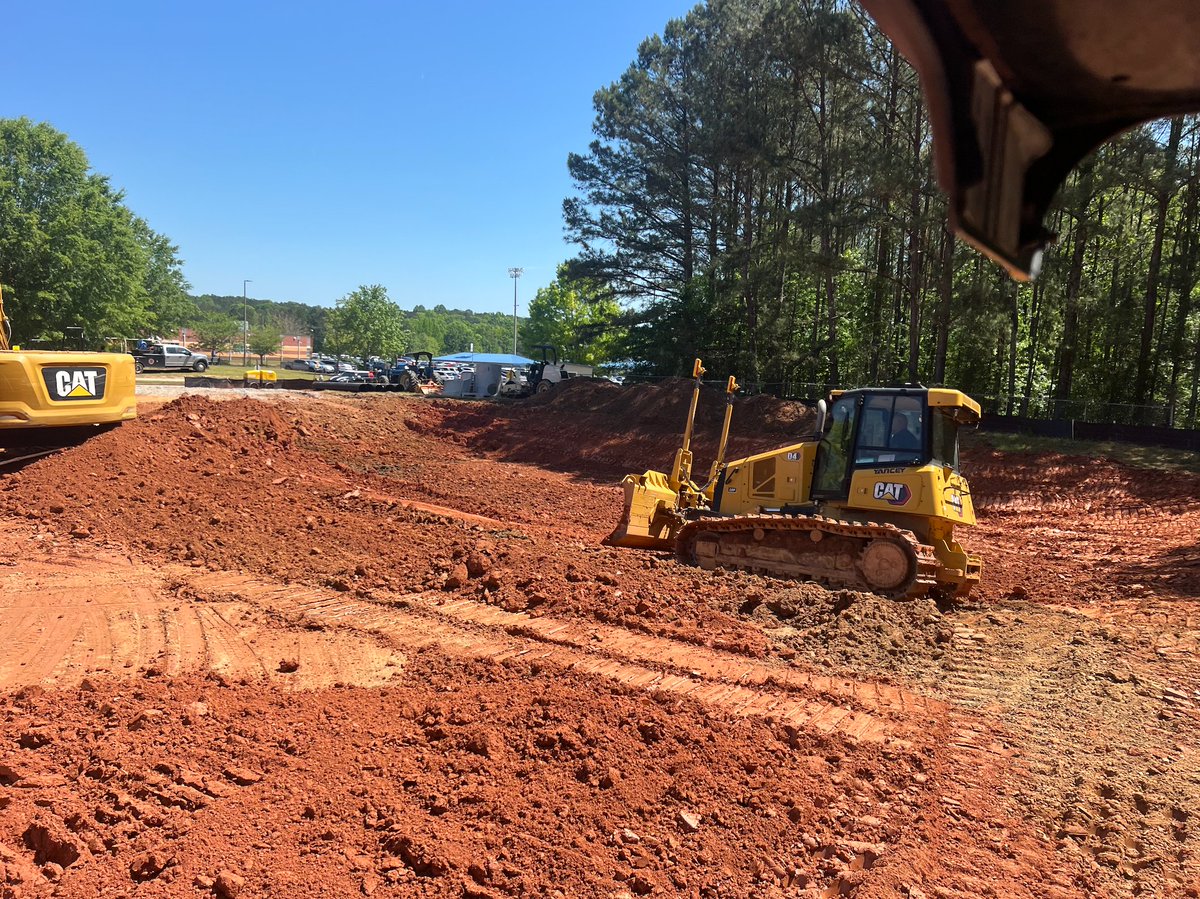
column 888, row 566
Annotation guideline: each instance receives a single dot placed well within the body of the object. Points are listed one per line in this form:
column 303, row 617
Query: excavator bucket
column 649, row 519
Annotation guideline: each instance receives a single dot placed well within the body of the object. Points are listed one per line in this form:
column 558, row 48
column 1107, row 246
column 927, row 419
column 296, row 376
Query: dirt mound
column 467, row 779
column 599, row 430
column 220, row 484
column 664, row 405
column 363, row 498
column 852, row 629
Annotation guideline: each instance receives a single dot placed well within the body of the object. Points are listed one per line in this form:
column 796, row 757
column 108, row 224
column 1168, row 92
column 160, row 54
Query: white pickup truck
column 169, row 356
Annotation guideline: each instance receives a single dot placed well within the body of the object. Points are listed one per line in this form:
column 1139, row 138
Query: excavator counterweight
column 43, row 389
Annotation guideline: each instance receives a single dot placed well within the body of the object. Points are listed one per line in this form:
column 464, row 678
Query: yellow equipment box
column 260, row 377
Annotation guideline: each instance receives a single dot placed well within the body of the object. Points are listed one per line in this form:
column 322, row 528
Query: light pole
column 245, row 325
column 515, row 273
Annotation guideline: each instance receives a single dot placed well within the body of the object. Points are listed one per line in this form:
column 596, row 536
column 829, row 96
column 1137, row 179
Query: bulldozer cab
column 905, row 427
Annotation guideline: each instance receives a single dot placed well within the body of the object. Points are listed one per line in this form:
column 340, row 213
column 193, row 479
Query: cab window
column 891, row 431
column 833, row 453
column 944, row 431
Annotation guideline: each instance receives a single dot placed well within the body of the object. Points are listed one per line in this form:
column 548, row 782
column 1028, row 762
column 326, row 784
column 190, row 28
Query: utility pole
column 245, row 325
column 515, row 273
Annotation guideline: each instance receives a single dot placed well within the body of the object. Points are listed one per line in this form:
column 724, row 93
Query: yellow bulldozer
column 869, row 502
column 45, row 392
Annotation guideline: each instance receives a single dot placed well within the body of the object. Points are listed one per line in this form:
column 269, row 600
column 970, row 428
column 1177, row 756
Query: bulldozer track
column 697, row 661
column 1171, row 629
column 837, row 564
column 1053, row 751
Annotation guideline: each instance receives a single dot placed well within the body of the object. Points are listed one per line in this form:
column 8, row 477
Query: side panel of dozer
column 51, row 389
column 648, row 520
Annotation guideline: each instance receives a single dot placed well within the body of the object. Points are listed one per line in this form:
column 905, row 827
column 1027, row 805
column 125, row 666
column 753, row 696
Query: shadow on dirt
column 1176, row 571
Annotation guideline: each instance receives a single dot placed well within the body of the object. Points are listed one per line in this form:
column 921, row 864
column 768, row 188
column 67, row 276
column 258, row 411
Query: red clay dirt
column 371, row 645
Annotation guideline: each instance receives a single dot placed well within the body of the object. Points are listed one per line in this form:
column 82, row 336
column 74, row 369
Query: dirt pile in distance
column 223, row 485
column 663, row 406
column 599, row 429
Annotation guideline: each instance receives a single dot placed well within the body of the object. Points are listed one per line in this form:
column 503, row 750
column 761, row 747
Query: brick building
column 293, row 346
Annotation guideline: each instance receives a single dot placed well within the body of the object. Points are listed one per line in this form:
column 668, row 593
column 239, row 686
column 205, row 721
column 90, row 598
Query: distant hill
column 437, row 330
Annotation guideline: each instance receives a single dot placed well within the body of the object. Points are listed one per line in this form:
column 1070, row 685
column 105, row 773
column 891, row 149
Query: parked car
column 298, row 365
column 169, row 356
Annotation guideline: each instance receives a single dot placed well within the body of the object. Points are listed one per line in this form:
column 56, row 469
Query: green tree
column 427, row 332
column 216, row 333
column 71, row 253
column 459, row 337
column 367, row 323
column 760, row 192
column 163, row 283
column 577, row 316
column 264, row 341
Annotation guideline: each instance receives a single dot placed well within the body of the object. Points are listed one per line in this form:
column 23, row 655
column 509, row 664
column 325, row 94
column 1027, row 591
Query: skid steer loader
column 869, row 502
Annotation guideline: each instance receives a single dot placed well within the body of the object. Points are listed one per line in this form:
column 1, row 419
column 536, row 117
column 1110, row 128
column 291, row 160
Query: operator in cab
column 902, row 436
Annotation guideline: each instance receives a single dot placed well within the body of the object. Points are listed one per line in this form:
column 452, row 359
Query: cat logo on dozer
column 75, row 383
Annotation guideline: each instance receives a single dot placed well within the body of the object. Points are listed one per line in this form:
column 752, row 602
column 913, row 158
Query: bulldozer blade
column 649, row 519
column 621, row 537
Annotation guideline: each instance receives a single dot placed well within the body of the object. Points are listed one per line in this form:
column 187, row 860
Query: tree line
column 73, row 255
column 760, row 192
column 364, row 322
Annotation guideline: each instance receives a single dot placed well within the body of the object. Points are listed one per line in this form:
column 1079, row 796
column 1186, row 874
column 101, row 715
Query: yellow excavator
column 869, row 502
column 45, row 392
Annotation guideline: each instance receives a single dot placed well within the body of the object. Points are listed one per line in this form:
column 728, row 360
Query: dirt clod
column 228, row 885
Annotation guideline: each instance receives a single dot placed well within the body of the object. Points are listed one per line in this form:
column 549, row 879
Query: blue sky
column 316, row 147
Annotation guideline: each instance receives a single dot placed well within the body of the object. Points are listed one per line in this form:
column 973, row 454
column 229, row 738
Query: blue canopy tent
column 507, row 359
column 489, row 372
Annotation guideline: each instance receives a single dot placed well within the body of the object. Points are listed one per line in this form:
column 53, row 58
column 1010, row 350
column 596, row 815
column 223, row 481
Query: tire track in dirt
column 63, row 618
column 736, row 684
column 14, row 625
column 709, row 664
column 1162, row 631
column 228, row 654
column 42, row 640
